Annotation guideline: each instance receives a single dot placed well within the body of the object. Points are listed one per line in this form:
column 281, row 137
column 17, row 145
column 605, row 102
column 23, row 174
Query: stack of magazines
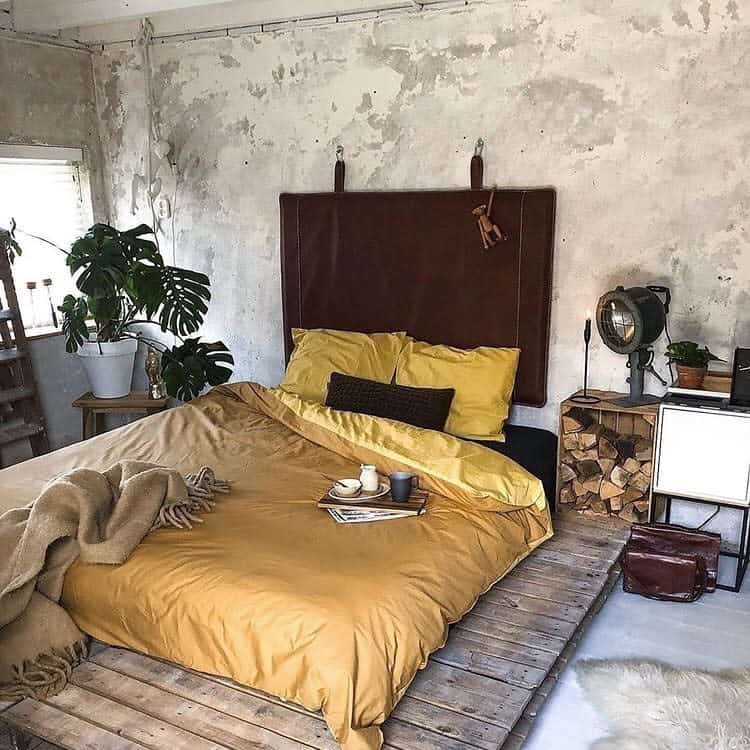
column 383, row 508
column 349, row 515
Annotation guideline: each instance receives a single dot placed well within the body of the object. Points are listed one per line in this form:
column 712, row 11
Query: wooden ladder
column 21, row 416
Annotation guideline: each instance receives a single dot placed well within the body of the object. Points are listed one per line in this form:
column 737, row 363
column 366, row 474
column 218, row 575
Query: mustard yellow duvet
column 269, row 590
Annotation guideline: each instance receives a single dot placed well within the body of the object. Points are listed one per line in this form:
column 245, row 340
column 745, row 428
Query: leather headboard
column 414, row 262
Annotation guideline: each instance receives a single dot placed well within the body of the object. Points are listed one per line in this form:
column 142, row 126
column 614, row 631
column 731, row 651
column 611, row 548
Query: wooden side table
column 605, row 457
column 93, row 409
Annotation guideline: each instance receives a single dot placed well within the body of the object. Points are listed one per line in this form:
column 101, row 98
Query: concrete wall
column 48, row 99
column 637, row 112
column 61, row 380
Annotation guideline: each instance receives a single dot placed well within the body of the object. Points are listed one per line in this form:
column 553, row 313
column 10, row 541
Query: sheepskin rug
column 652, row 706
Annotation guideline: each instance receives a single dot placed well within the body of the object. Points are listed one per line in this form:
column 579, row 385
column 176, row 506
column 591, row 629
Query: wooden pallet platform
column 481, row 691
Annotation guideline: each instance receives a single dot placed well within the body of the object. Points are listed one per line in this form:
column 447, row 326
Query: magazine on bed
column 378, row 509
column 364, row 516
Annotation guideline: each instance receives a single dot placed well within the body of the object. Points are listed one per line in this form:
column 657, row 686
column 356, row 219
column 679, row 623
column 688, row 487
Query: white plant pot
column 109, row 366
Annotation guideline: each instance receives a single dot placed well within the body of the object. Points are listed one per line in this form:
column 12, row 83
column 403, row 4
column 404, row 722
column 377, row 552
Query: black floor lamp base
column 583, row 399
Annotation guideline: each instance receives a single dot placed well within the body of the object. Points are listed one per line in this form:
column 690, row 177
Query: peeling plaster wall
column 47, row 98
column 638, row 113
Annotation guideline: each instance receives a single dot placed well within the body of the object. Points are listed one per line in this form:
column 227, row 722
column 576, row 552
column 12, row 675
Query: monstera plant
column 124, row 284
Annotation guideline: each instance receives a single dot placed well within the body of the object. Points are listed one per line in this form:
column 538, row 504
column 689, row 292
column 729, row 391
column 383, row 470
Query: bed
column 269, row 591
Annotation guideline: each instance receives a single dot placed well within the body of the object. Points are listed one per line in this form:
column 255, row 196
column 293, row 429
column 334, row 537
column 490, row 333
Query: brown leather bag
column 671, row 563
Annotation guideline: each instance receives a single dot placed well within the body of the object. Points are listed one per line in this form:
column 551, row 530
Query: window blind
column 45, row 197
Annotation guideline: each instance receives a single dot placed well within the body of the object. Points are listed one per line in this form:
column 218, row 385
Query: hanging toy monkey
column 490, row 232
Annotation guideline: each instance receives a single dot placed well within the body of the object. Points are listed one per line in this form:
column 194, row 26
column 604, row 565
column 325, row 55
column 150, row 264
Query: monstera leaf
column 74, row 313
column 102, row 265
column 185, row 296
column 136, row 248
column 187, row 368
column 144, row 288
column 131, row 242
column 8, row 243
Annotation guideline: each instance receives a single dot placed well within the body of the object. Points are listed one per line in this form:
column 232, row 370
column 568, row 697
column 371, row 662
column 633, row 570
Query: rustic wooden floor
column 481, row 691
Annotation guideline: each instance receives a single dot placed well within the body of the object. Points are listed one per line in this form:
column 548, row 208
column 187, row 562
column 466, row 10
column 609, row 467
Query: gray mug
column 402, row 483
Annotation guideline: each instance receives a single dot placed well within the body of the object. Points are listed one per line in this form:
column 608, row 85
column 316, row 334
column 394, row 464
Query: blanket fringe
column 46, row 675
column 202, row 489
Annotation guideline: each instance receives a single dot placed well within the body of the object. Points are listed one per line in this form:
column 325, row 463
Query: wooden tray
column 415, row 505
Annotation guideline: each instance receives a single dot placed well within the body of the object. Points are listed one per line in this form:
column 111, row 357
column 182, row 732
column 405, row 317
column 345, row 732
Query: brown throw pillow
column 421, row 407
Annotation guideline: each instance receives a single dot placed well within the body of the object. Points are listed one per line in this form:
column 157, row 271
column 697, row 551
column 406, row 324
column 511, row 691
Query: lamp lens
column 618, row 322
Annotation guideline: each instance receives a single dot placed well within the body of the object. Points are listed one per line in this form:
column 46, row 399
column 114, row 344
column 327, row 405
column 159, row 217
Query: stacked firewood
column 603, row 471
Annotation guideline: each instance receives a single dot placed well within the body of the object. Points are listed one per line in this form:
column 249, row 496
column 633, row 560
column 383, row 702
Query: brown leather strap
column 477, row 167
column 339, row 174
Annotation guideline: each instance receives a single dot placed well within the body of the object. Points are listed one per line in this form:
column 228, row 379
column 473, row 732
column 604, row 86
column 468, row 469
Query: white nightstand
column 703, row 454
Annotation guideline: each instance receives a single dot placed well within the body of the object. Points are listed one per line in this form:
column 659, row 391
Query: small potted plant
column 692, row 363
column 124, row 283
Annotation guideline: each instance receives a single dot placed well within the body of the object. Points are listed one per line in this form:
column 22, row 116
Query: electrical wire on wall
column 156, row 145
column 144, row 43
column 174, row 214
column 669, row 341
column 666, row 291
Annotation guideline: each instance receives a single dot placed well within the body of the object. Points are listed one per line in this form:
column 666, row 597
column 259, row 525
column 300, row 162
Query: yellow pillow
column 319, row 352
column 483, row 379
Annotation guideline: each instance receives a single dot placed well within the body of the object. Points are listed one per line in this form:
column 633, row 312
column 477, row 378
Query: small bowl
column 347, row 487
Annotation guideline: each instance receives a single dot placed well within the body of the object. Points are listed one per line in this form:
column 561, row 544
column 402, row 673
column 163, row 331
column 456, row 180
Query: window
column 41, row 189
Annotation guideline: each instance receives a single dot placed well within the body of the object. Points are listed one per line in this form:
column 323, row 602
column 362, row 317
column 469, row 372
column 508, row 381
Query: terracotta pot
column 690, row 377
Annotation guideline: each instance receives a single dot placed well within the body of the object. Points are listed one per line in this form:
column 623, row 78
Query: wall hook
column 339, row 172
column 477, row 166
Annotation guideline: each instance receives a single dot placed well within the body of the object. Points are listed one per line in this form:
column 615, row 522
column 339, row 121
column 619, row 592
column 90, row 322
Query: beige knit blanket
column 97, row 517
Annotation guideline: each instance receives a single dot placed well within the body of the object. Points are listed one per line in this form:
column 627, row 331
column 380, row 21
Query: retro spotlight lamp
column 629, row 322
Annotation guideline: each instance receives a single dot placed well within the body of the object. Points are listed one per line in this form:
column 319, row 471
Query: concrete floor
column 712, row 633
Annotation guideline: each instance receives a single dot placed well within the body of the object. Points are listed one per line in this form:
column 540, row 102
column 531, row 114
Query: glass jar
column 31, row 314
column 47, row 283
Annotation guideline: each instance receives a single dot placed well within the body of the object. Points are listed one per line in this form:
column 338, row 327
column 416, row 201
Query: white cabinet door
column 704, row 454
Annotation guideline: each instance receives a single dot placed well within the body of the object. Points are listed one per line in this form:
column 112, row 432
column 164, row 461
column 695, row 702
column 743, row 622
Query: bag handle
column 651, row 529
column 700, row 585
